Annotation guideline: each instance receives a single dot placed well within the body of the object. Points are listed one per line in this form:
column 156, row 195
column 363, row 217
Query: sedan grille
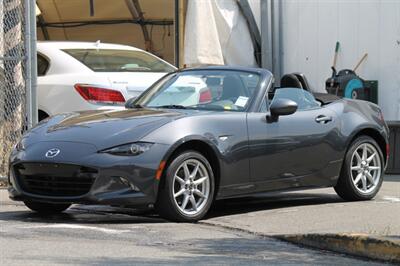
column 60, row 180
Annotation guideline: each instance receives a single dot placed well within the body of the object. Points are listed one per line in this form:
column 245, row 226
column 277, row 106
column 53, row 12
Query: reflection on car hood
column 103, row 128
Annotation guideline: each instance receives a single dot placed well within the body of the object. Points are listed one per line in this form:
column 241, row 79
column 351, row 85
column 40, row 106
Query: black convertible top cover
column 326, row 98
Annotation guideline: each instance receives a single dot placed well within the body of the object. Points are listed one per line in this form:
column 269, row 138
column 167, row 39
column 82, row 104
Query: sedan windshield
column 112, row 60
column 205, row 90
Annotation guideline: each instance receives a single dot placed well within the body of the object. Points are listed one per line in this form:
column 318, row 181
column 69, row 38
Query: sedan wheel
column 188, row 191
column 362, row 172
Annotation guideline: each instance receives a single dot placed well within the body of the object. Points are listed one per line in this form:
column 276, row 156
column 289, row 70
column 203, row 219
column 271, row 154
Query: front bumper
column 35, row 177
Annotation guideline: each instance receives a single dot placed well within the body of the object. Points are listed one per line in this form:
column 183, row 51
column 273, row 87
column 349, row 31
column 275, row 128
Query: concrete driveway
column 230, row 235
column 313, row 211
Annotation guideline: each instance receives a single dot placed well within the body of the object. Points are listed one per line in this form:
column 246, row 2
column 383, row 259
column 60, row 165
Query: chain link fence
column 15, row 75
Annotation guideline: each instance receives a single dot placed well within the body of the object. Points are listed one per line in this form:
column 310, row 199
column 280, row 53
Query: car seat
column 232, row 88
column 290, row 81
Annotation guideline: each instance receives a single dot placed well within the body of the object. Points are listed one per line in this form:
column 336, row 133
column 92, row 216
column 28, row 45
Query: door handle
column 323, row 119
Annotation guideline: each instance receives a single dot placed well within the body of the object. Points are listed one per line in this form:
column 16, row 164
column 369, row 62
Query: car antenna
column 97, row 44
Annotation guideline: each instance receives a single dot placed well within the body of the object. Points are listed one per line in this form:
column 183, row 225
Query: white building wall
column 311, row 28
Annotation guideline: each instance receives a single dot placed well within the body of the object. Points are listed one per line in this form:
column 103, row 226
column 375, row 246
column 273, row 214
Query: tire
column 183, row 184
column 354, row 168
column 46, row 208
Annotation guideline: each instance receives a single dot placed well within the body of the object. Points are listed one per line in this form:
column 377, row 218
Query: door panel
column 296, row 145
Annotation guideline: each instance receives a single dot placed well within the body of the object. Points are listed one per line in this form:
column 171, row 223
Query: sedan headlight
column 131, row 149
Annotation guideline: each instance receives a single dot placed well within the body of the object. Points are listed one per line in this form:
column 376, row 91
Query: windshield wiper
column 172, row 106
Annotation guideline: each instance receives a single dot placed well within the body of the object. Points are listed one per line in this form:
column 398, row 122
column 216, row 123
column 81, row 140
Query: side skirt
column 326, row 178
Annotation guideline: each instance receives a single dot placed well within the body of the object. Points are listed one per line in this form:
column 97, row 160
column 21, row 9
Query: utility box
column 371, row 90
column 394, row 141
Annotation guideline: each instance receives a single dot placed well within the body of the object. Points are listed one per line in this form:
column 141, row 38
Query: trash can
column 394, row 142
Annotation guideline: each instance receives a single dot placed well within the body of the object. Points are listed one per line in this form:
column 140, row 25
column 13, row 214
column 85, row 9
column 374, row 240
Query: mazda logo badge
column 52, row 153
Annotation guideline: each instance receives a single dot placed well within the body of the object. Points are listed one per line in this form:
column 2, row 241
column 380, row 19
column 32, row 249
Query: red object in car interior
column 205, row 96
column 99, row 95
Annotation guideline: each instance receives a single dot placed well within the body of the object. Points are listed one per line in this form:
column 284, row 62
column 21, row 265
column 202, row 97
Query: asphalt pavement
column 236, row 231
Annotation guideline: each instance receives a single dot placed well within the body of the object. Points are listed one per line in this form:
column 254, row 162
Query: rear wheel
column 189, row 188
column 46, row 208
column 362, row 173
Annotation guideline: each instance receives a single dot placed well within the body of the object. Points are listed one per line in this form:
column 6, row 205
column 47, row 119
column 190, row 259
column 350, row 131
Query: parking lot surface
column 314, row 211
column 102, row 235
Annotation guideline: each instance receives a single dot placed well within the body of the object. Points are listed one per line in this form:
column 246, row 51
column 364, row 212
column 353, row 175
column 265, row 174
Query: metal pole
column 182, row 10
column 31, row 67
column 177, row 33
column 136, row 12
column 280, row 36
column 28, row 69
column 266, row 35
column 91, row 7
column 276, row 39
column 34, row 63
column 271, row 37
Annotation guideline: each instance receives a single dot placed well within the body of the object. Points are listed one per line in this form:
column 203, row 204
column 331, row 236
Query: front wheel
column 46, row 208
column 362, row 173
column 188, row 190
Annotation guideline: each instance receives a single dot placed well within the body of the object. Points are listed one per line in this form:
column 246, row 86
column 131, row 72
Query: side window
column 304, row 99
column 264, row 108
column 42, row 65
column 267, row 100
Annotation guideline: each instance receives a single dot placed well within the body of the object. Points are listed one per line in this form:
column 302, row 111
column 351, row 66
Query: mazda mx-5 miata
column 199, row 135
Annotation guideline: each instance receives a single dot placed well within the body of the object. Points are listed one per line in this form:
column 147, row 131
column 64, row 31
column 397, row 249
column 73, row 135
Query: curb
column 386, row 249
column 362, row 245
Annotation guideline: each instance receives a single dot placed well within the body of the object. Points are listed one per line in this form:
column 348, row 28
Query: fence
column 17, row 73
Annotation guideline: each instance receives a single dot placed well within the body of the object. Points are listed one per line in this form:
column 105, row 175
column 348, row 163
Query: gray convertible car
column 199, row 135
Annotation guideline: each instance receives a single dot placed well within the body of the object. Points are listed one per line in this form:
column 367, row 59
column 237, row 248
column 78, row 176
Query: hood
column 104, row 129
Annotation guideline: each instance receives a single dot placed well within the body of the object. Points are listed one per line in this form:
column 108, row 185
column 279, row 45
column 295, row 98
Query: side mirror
column 282, row 107
column 129, row 102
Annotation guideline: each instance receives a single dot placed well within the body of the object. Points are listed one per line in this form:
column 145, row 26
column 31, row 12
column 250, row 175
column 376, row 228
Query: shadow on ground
column 269, row 202
column 111, row 215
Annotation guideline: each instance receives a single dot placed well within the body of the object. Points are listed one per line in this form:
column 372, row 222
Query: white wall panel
column 310, row 29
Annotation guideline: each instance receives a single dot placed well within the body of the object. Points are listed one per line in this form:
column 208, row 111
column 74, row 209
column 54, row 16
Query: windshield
column 111, row 60
column 205, row 89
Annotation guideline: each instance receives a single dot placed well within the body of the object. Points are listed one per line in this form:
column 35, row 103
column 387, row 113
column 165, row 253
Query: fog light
column 128, row 184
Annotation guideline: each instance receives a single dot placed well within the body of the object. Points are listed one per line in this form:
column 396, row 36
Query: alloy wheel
column 366, row 168
column 191, row 187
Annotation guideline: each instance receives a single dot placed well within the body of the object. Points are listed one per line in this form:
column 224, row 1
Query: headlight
column 20, row 145
column 131, row 149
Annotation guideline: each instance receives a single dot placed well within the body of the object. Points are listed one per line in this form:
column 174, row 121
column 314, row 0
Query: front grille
column 60, row 180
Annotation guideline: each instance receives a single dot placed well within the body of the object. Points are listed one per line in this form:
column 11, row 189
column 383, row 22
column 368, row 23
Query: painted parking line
column 83, row 227
column 391, row 198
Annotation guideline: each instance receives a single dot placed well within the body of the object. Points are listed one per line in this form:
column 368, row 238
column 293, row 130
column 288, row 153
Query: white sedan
column 75, row 76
